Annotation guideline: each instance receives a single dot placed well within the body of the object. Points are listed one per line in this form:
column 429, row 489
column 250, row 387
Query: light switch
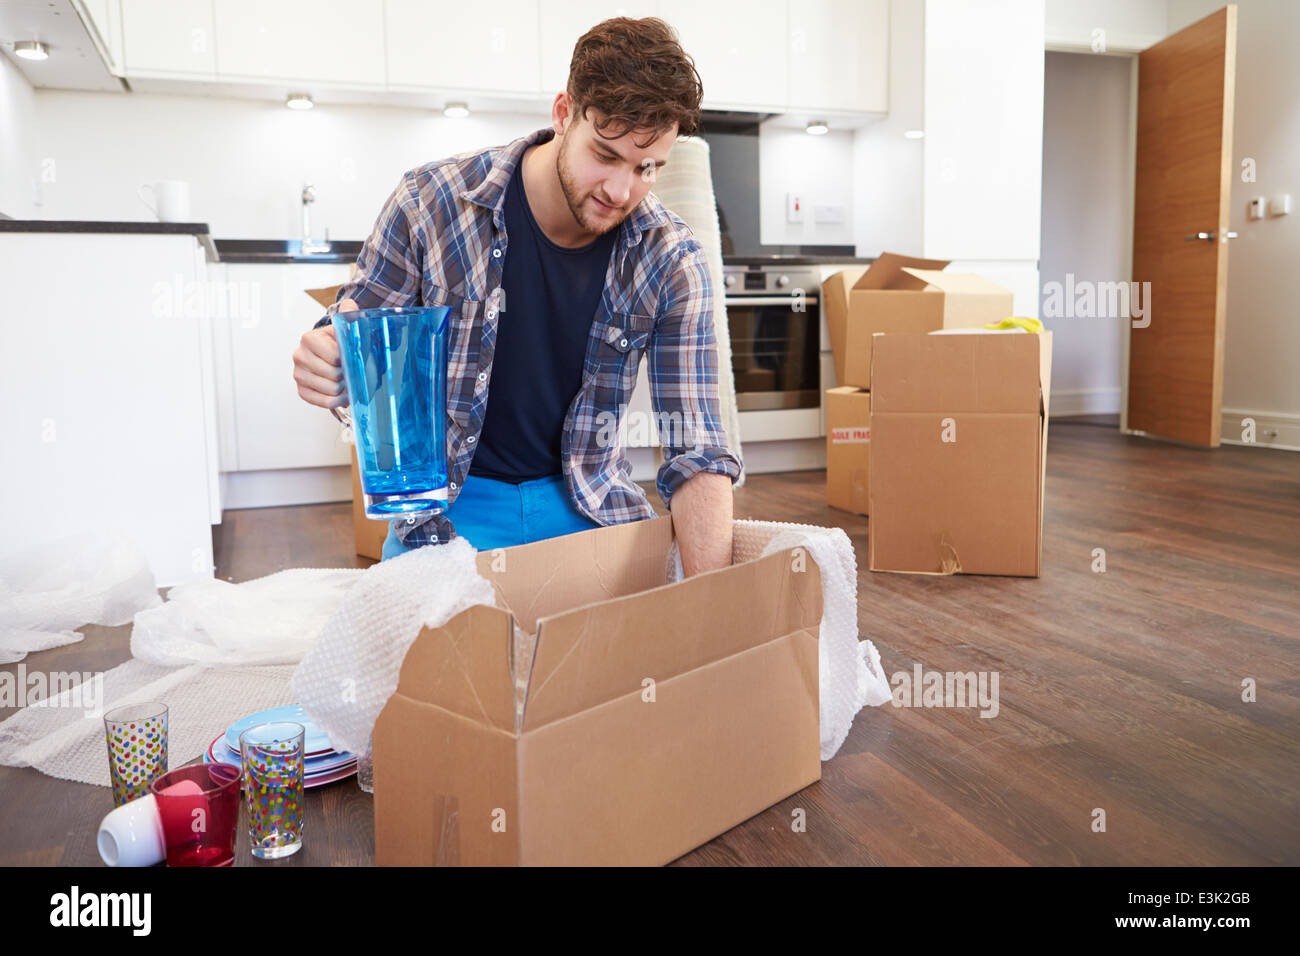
column 1280, row 205
column 828, row 212
column 1255, row 208
column 793, row 207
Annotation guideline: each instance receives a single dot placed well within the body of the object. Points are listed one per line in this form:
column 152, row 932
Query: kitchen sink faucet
column 309, row 245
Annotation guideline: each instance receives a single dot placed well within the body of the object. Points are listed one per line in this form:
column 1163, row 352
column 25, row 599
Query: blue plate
column 218, row 752
column 314, row 741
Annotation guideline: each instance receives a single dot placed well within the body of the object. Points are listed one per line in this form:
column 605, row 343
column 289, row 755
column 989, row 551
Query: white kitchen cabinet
column 740, row 48
column 106, row 20
column 563, row 22
column 169, row 38
column 458, row 46
column 109, row 420
column 839, row 55
column 273, row 428
column 338, row 42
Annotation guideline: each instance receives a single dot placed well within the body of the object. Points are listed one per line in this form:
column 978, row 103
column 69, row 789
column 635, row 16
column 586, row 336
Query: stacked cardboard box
column 959, row 424
column 938, row 503
column 896, row 294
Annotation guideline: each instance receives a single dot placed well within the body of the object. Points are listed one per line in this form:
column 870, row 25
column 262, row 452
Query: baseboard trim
column 285, row 487
column 1085, row 401
column 1272, row 429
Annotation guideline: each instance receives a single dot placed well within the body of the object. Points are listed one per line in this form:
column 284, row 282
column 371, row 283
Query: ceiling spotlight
column 31, row 50
column 913, row 133
column 456, row 110
column 299, row 101
column 818, row 128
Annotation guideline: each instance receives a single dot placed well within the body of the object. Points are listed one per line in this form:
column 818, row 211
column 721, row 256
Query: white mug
column 132, row 834
column 171, row 200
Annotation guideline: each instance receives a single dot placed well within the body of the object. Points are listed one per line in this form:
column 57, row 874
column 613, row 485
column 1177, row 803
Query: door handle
column 1209, row 236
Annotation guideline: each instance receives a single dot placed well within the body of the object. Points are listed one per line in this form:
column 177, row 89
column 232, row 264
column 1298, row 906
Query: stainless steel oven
column 774, row 314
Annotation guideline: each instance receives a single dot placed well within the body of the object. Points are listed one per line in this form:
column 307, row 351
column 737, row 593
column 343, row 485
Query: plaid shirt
column 441, row 240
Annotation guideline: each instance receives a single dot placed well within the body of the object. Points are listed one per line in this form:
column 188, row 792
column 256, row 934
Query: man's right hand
column 317, row 368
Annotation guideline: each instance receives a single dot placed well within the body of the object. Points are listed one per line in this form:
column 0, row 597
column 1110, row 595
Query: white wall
column 887, row 168
column 820, row 169
column 984, row 140
column 18, row 123
column 1261, row 353
column 246, row 161
column 1124, row 25
column 1086, row 218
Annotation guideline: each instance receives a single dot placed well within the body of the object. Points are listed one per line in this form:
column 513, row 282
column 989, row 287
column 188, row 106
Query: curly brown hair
column 637, row 74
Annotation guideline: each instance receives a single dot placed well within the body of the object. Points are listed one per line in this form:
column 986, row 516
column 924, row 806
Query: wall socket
column 793, row 207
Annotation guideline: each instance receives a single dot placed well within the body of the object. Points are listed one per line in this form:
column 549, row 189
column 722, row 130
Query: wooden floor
column 1118, row 691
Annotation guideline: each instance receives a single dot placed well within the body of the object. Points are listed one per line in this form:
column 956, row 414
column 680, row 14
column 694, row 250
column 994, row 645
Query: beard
column 583, row 209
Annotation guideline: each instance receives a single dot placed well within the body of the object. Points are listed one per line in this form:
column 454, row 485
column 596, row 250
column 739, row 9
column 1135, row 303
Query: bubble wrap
column 51, row 588
column 68, row 743
column 851, row 675
column 349, row 673
column 269, row 620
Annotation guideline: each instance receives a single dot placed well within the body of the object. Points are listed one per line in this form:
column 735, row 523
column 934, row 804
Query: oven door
column 775, row 351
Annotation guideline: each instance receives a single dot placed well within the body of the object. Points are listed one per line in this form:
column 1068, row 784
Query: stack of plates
column 324, row 763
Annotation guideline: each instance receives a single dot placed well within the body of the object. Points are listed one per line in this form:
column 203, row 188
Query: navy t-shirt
column 551, row 297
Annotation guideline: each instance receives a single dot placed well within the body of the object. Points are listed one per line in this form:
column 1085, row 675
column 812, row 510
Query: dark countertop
column 199, row 230
column 795, row 260
column 284, row 250
column 77, row 225
column 290, row 250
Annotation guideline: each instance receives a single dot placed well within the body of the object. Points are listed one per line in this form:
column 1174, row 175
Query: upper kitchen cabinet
column 564, row 21
column 169, row 38
column 337, row 42
column 105, row 18
column 461, row 46
column 740, row 48
column 839, row 55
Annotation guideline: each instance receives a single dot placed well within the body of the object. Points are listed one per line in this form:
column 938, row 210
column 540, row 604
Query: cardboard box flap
column 889, row 271
column 558, row 574
column 325, row 297
column 965, row 283
column 464, row 667
column 940, row 373
column 835, row 304
column 594, row 654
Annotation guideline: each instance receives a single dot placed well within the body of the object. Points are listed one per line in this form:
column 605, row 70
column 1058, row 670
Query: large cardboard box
column 848, row 448
column 902, row 294
column 647, row 719
column 959, row 451
column 368, row 533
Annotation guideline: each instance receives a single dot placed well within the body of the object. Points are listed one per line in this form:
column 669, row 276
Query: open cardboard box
column 902, row 294
column 959, row 452
column 602, row 716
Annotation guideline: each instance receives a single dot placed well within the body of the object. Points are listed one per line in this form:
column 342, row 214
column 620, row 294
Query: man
column 560, row 268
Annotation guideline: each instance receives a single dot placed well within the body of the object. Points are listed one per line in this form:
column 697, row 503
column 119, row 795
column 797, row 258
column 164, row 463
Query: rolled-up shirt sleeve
column 683, row 372
column 391, row 262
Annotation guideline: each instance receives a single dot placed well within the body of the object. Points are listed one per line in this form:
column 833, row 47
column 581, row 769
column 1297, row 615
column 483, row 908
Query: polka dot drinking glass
column 137, row 748
column 272, row 757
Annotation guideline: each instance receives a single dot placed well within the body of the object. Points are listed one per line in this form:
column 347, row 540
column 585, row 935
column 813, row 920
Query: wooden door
column 1180, row 231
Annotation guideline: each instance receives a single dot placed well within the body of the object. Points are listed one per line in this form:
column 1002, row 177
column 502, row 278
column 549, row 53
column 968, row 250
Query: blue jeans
column 496, row 514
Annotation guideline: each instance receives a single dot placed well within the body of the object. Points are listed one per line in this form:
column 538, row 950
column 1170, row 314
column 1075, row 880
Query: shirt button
column 492, row 314
column 470, row 439
column 496, row 253
column 622, row 343
column 482, row 376
column 452, row 485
